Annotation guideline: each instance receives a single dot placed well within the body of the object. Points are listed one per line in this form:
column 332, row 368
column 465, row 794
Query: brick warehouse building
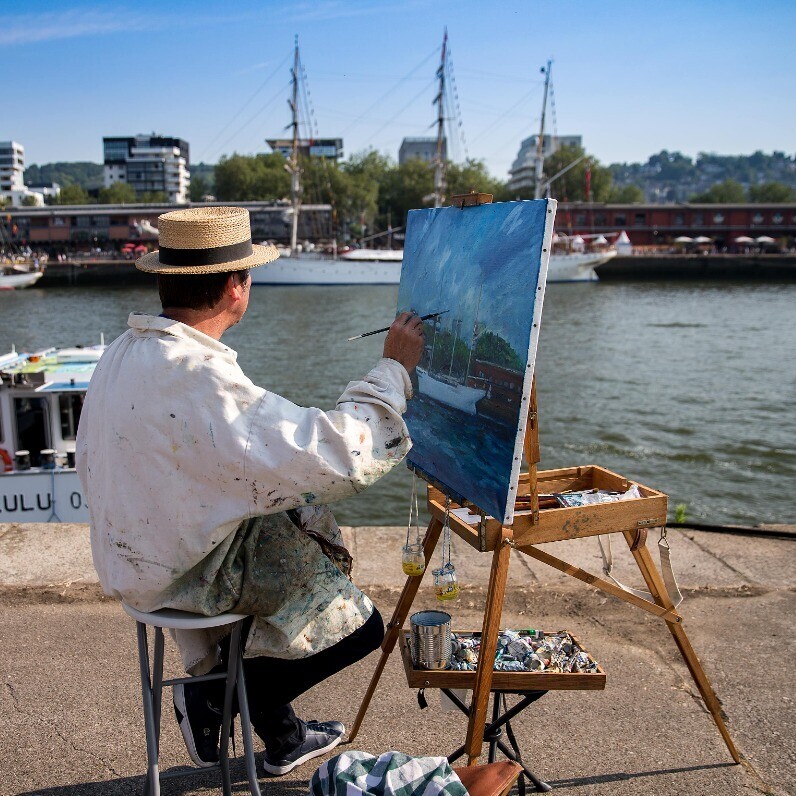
column 62, row 227
column 660, row 224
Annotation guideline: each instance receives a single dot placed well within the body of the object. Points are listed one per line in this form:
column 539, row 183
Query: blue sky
column 631, row 77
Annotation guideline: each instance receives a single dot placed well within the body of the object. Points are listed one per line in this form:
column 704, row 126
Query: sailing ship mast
column 292, row 165
column 539, row 162
column 439, row 163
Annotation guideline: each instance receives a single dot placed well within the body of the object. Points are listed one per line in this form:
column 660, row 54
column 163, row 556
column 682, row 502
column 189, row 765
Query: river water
column 686, row 387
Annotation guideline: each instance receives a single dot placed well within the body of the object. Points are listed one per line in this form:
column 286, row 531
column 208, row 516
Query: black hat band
column 211, row 256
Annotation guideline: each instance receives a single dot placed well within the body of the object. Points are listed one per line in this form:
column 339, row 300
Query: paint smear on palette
column 487, row 267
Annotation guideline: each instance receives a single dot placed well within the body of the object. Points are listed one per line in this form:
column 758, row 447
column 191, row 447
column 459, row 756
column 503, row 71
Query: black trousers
column 273, row 683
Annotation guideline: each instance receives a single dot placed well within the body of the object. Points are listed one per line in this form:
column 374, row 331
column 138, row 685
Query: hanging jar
column 413, row 558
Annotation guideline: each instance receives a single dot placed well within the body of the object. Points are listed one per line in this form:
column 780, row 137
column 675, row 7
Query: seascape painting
column 483, row 270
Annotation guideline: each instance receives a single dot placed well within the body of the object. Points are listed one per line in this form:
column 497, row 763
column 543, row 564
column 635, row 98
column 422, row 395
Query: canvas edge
column 550, row 216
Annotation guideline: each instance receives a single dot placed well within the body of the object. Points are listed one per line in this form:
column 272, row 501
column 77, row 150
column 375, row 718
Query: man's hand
column 405, row 340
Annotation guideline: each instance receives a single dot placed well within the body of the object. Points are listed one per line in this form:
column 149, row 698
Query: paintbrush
column 387, row 328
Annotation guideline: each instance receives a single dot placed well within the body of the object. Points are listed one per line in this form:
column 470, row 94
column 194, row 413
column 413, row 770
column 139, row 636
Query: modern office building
column 421, row 148
column 522, row 170
column 329, row 148
column 12, row 175
column 150, row 164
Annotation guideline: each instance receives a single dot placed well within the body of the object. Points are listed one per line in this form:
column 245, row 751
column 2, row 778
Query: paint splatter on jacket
column 189, row 469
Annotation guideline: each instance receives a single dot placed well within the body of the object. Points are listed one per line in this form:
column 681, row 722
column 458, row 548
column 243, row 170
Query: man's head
column 203, row 266
column 198, row 291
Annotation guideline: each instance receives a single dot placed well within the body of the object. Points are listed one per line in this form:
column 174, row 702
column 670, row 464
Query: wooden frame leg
column 486, row 656
column 396, row 623
column 657, row 589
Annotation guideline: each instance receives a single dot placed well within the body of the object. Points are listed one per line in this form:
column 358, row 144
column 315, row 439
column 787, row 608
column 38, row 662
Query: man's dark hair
column 195, row 291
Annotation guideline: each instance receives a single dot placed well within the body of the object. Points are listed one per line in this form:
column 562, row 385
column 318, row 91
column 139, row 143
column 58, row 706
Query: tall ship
column 570, row 261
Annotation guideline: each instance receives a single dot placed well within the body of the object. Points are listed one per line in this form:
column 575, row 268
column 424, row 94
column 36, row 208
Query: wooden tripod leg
column 395, row 624
column 486, row 657
column 657, row 589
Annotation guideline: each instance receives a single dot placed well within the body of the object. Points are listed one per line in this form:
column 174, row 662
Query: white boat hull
column 576, row 267
column 16, row 281
column 42, row 496
column 312, row 271
column 457, row 396
column 374, row 255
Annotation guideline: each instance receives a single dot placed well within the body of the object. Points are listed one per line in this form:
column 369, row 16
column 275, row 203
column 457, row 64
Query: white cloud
column 31, row 28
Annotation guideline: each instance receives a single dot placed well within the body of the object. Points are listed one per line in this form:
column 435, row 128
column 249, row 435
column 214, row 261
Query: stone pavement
column 70, row 715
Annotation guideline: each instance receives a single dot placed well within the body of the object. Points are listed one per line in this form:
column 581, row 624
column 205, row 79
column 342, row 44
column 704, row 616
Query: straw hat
column 205, row 240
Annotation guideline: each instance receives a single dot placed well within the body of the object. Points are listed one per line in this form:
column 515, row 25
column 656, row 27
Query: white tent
column 600, row 240
column 765, row 239
column 683, row 239
column 623, row 244
column 578, row 244
column 744, row 239
column 703, row 239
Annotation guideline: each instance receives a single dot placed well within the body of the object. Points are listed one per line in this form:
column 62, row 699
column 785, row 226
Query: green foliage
column 83, row 173
column 491, row 347
column 472, row 175
column 680, row 512
column 571, row 187
column 153, row 198
column 728, row 191
column 251, row 178
column 443, row 346
column 627, row 194
column 28, row 201
column 773, row 192
column 74, row 195
column 199, row 188
column 120, row 193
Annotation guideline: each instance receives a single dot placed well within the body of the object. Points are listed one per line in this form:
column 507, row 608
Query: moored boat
column 14, row 279
column 41, row 396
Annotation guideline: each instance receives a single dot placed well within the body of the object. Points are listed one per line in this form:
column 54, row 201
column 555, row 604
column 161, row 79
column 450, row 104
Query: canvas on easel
column 483, row 268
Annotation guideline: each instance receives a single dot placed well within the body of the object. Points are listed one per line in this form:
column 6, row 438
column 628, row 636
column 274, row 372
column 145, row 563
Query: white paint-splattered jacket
column 188, row 469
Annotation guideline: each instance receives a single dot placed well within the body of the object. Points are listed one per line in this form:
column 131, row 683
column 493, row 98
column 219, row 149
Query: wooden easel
column 631, row 518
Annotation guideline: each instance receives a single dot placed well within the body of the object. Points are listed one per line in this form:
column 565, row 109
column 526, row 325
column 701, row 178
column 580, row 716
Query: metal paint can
column 430, row 639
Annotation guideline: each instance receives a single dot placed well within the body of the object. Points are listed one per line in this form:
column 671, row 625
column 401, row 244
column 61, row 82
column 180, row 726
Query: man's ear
column 232, row 284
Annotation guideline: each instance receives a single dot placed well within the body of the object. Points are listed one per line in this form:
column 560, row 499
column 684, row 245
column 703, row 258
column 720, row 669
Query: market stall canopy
column 683, row 239
column 703, row 239
column 600, row 240
column 765, row 239
column 744, row 239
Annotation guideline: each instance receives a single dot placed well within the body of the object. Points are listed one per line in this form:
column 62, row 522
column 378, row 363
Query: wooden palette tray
column 555, row 524
column 501, row 681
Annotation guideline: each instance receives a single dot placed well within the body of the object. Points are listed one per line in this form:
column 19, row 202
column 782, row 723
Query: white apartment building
column 149, row 163
column 12, row 175
column 522, row 170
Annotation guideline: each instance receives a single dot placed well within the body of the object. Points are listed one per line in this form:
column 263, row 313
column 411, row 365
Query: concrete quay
column 70, row 711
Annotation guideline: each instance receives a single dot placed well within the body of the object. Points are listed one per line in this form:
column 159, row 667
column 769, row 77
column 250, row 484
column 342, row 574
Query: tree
column 403, row 189
column 726, row 192
column 242, row 178
column 74, row 195
column 774, row 192
column 28, row 201
column 493, row 348
column 571, row 187
column 472, row 175
column 153, row 198
column 120, row 193
column 199, row 188
column 627, row 194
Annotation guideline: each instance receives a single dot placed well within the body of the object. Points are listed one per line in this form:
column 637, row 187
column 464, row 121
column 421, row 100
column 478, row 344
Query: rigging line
column 390, row 92
column 245, row 105
column 457, row 106
column 500, row 118
column 252, row 118
column 411, row 102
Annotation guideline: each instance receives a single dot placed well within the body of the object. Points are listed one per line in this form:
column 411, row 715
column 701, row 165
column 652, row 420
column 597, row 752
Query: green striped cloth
column 390, row 774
